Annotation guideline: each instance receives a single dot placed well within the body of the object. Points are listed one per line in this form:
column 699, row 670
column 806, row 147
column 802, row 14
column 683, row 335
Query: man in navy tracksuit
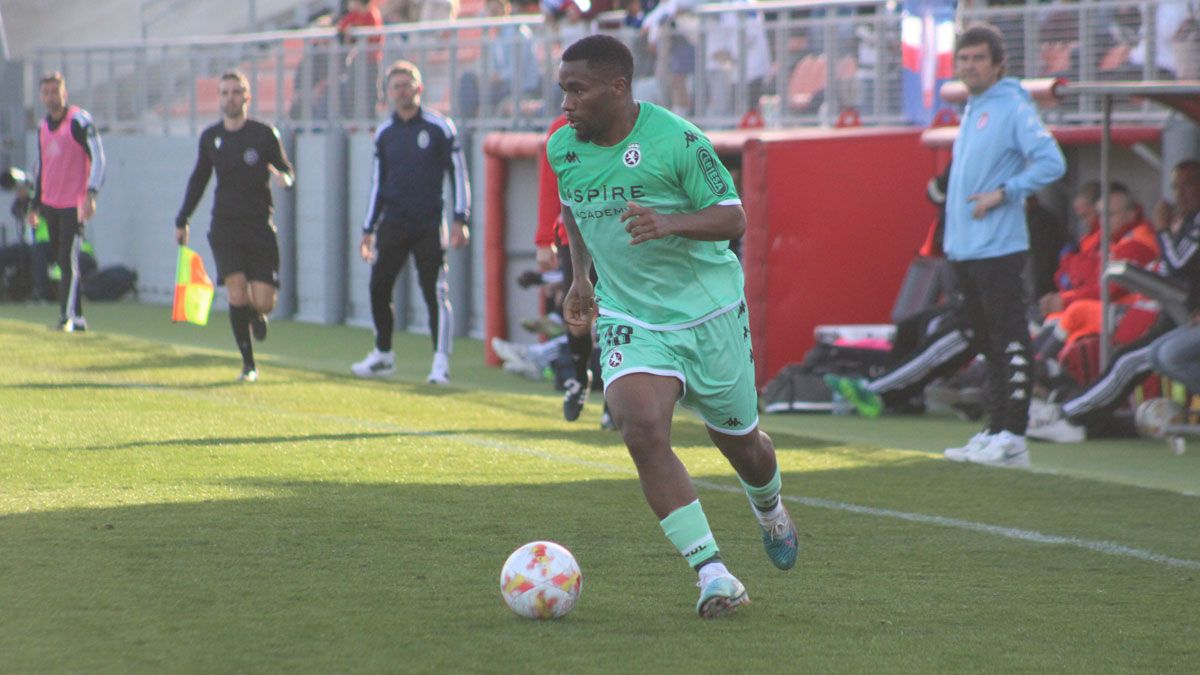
column 414, row 150
column 1002, row 154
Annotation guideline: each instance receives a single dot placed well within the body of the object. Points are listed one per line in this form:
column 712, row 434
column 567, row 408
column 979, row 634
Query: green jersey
column 668, row 165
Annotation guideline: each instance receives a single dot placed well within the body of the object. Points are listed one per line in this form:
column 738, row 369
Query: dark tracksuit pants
column 66, row 238
column 426, row 249
column 995, row 306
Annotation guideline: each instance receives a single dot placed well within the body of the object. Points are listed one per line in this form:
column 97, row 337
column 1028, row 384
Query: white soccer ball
column 541, row 580
column 1154, row 414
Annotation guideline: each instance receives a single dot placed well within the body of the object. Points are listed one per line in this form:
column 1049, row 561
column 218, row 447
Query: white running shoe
column 510, row 351
column 377, row 364
column 524, row 368
column 1058, row 431
column 439, row 373
column 959, row 454
column 1004, row 449
column 1047, row 423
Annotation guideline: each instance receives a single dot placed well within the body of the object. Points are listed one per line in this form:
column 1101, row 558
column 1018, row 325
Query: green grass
column 157, row 516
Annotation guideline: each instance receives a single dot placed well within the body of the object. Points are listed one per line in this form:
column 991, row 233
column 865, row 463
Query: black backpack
column 110, row 283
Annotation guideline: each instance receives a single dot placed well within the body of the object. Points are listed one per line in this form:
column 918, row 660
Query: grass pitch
column 157, row 516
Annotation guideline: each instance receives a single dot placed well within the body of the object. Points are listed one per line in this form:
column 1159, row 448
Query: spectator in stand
column 362, row 14
column 1074, row 310
column 1178, row 230
column 1084, row 206
column 514, row 71
column 727, row 64
column 1131, row 238
column 665, row 31
column 413, row 11
column 1176, row 40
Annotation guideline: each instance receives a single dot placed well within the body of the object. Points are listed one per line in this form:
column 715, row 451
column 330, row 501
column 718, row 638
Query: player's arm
column 195, row 190
column 35, row 197
column 366, row 246
column 460, row 186
column 278, row 162
column 84, row 131
column 579, row 305
column 719, row 222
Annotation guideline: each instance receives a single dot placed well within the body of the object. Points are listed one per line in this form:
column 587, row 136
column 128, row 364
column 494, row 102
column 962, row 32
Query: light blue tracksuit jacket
column 1001, row 141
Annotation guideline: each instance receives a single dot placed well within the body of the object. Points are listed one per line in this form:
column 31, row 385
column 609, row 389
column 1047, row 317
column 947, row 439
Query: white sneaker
column 524, row 368
column 1059, row 430
column 377, row 364
column 510, row 351
column 959, row 454
column 1042, row 412
column 1004, row 449
column 439, row 373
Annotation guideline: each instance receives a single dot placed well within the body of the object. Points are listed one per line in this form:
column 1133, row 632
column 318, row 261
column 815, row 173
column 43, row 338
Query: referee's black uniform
column 241, row 235
column 412, row 159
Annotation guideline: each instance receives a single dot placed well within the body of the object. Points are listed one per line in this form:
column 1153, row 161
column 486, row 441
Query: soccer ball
column 1152, row 415
column 541, row 580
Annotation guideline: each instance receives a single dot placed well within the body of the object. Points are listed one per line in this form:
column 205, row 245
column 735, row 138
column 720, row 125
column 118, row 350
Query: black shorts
column 254, row 254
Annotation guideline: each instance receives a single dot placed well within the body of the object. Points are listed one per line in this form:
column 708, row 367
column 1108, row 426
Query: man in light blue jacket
column 1002, row 154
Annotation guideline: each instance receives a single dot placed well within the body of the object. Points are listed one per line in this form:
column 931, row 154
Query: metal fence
column 798, row 63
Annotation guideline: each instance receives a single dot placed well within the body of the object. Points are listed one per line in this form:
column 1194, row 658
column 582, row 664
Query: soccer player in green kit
column 646, row 200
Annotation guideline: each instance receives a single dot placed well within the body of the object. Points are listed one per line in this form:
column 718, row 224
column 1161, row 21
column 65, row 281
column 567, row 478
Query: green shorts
column 713, row 361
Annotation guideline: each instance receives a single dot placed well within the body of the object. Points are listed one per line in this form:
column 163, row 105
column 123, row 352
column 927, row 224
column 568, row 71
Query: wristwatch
column 1003, row 193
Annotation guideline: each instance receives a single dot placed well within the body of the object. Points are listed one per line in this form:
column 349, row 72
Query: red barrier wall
column 834, row 216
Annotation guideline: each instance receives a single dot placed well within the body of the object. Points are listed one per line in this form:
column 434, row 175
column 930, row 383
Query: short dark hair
column 54, row 77
column 983, row 34
column 1090, row 190
column 1191, row 166
column 604, row 53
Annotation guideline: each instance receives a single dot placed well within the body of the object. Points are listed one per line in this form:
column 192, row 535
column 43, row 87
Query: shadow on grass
column 322, row 577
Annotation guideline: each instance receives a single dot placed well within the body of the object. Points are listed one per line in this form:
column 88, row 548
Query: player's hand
column 181, row 235
column 280, row 178
column 366, row 248
column 460, row 235
column 32, row 217
column 644, row 224
column 984, row 202
column 1163, row 214
column 546, row 259
column 1050, row 303
column 87, row 208
column 579, row 305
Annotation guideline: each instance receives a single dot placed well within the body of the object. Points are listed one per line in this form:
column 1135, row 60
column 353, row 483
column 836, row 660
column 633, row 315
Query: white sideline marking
column 1105, row 547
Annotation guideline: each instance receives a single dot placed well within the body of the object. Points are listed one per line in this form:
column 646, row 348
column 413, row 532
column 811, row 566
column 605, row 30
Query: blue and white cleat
column 721, row 597
column 779, row 539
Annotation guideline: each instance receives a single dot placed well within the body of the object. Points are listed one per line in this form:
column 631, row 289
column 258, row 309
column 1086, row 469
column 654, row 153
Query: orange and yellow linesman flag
column 193, row 289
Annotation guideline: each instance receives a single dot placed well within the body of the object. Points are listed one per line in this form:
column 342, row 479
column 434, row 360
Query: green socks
column 766, row 497
column 687, row 528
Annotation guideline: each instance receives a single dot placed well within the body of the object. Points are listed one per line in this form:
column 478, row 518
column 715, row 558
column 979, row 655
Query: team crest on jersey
column 983, row 121
column 250, row 156
column 423, row 139
column 615, row 359
column 217, row 142
column 633, row 155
